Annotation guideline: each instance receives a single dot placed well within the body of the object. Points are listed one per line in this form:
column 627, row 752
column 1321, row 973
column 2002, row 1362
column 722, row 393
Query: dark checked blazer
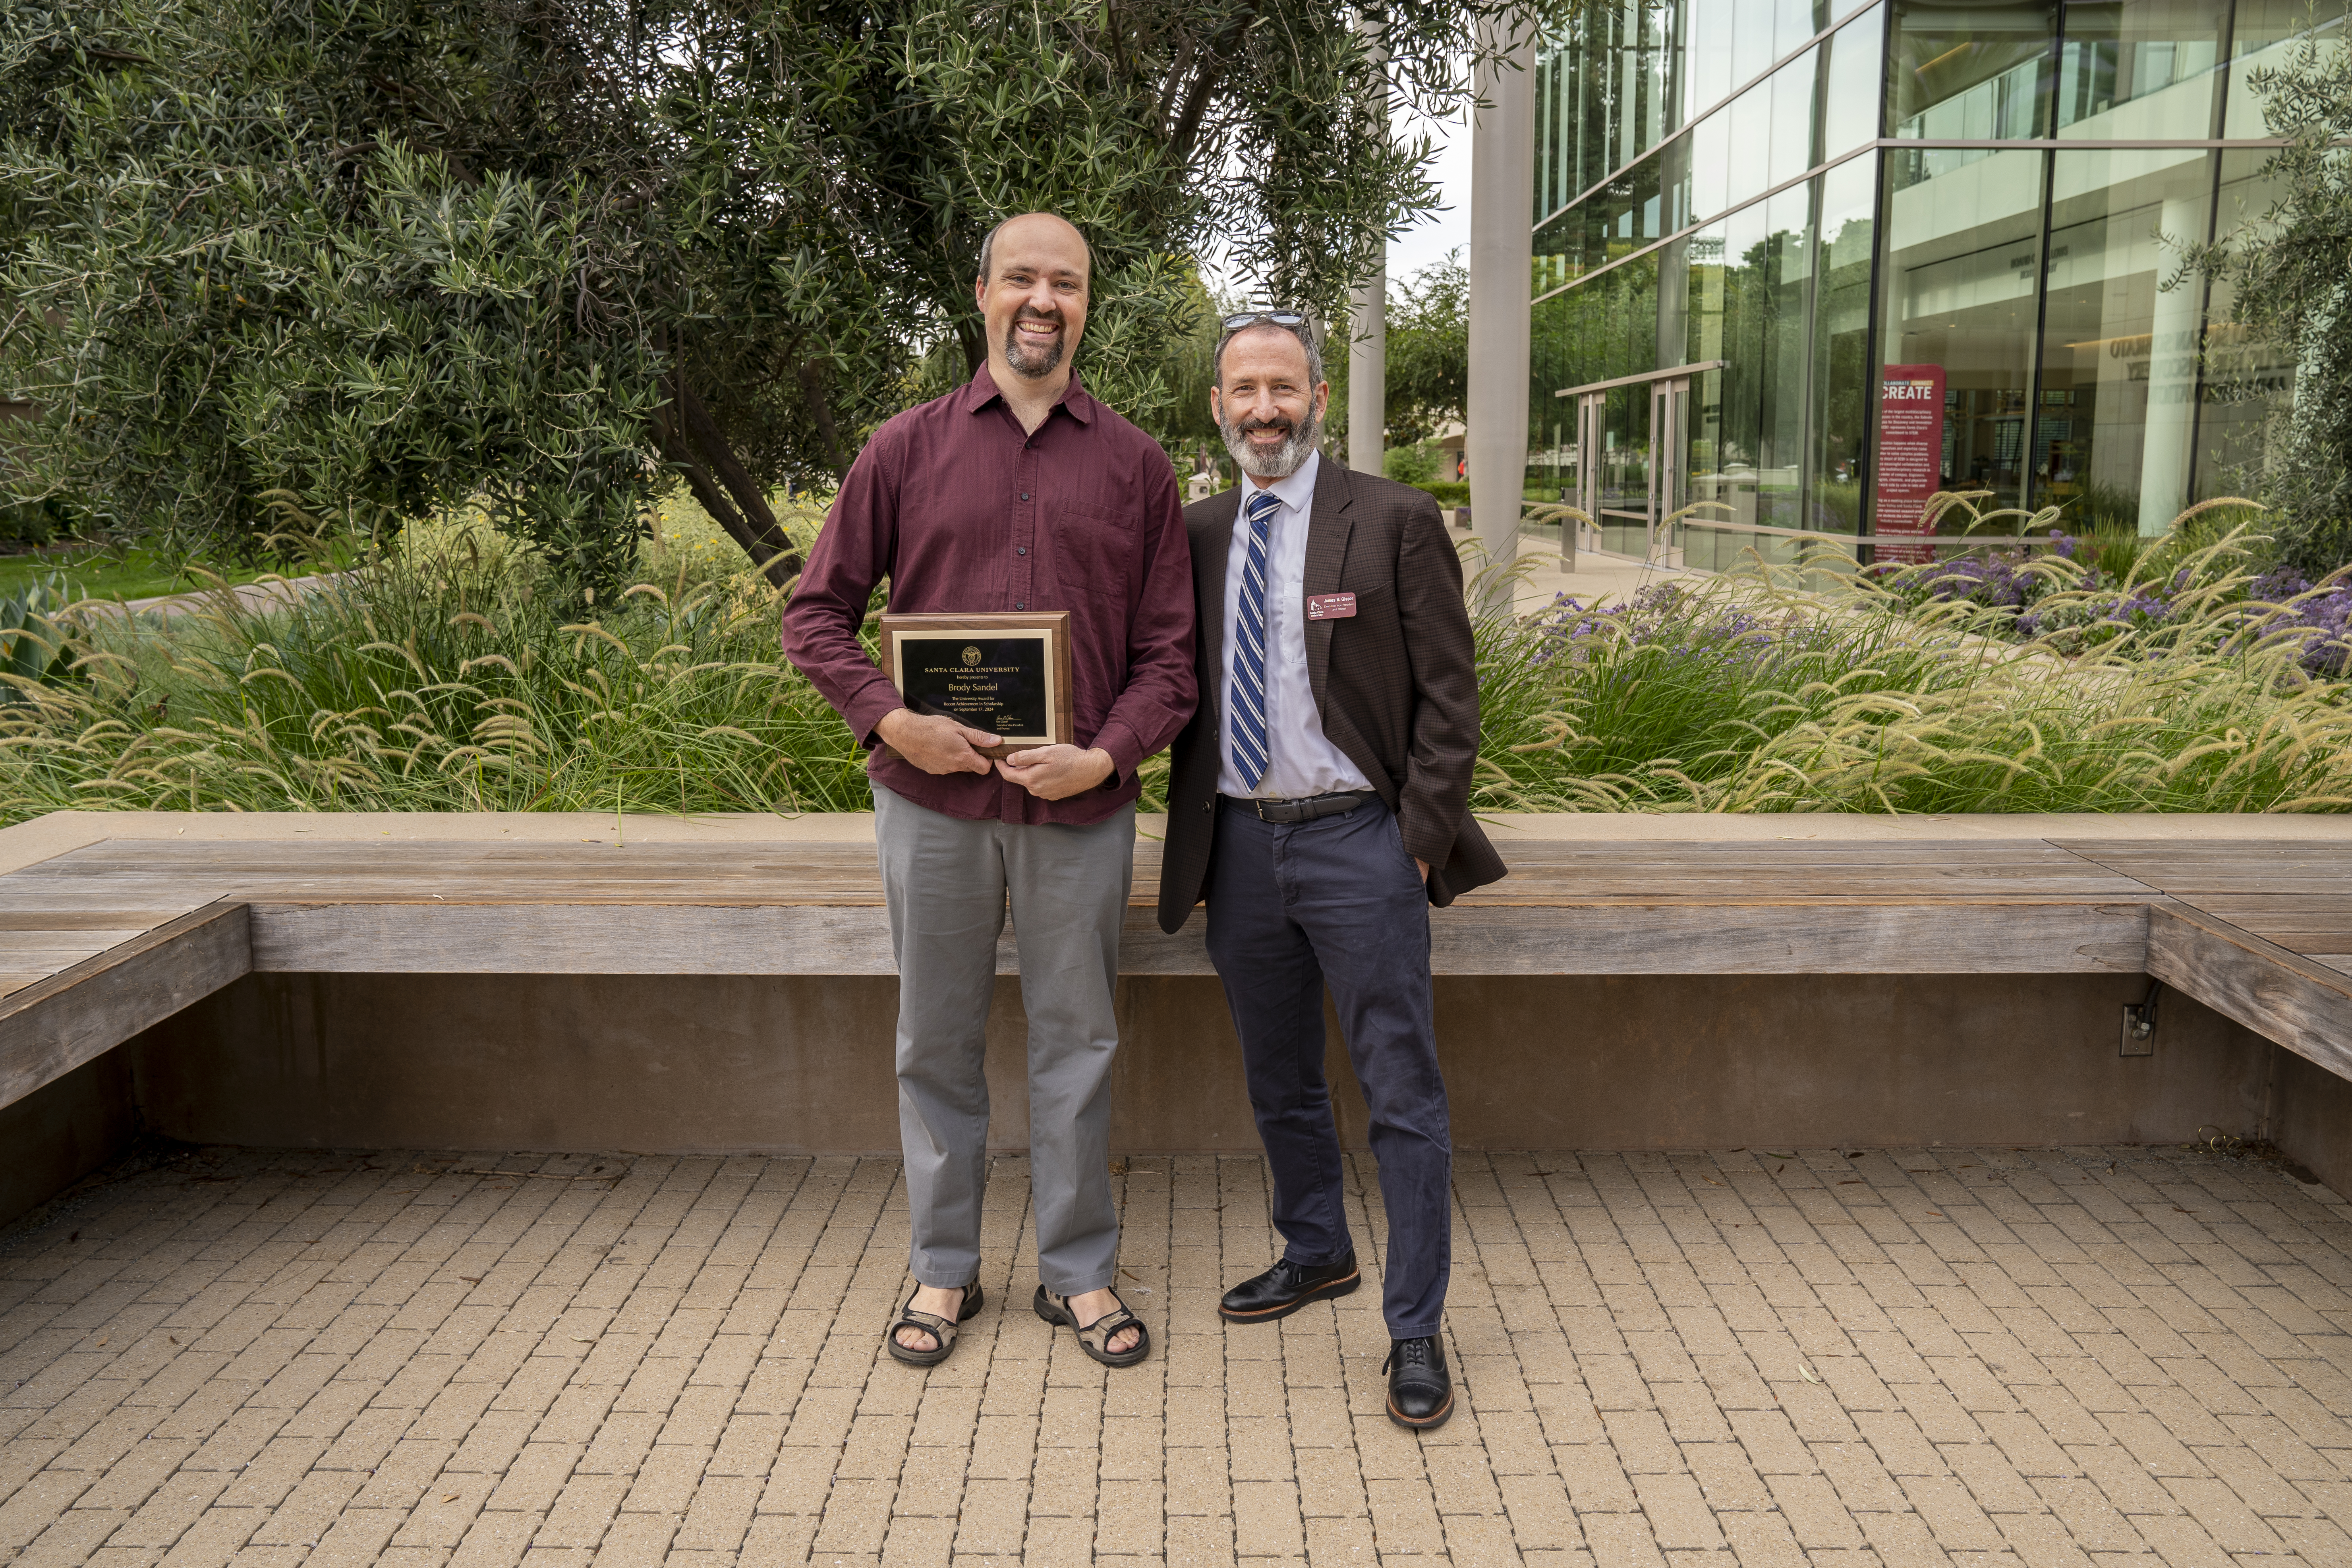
column 1396, row 684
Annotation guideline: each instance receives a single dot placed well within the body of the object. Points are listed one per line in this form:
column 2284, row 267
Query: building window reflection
column 2261, row 31
column 2133, row 69
column 2115, row 418
column 1850, row 94
column 1962, row 261
column 1780, row 200
column 1975, row 69
column 2244, row 377
column 1838, row 463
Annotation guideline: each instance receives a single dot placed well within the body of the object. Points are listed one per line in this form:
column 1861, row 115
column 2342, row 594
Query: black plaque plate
column 1007, row 675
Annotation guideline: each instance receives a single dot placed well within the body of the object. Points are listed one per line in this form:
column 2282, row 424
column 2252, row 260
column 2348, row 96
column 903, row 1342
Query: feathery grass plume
column 1768, row 692
column 437, row 681
column 445, row 677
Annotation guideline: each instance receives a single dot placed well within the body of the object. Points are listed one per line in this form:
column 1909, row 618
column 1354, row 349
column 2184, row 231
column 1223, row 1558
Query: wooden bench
column 107, row 939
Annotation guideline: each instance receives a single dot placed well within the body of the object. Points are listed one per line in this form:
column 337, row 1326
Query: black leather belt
column 1305, row 807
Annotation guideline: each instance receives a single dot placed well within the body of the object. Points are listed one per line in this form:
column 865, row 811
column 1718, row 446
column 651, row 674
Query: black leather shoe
column 1421, row 1391
column 1286, row 1287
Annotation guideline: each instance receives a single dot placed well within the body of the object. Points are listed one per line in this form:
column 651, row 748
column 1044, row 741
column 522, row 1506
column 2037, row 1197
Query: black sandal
column 1095, row 1337
column 942, row 1332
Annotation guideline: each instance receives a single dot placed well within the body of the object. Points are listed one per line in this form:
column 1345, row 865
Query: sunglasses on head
column 1235, row 323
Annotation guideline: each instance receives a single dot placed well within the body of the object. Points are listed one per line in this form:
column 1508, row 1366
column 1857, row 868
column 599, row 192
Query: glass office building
column 1750, row 215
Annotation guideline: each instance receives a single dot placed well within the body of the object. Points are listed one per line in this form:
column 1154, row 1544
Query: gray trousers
column 947, row 881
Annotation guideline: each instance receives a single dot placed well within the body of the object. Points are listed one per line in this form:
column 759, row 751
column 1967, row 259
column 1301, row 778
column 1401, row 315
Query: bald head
column 1045, row 226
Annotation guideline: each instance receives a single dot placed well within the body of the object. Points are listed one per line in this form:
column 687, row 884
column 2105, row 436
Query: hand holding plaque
column 1006, row 675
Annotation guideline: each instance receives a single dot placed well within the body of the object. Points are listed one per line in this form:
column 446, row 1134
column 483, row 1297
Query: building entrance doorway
column 1630, row 469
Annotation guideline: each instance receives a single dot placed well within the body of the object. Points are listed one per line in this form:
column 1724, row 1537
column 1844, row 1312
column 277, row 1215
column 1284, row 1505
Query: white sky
column 1450, row 227
column 1444, row 230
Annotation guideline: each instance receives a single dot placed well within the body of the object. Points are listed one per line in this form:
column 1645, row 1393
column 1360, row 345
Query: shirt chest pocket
column 1093, row 541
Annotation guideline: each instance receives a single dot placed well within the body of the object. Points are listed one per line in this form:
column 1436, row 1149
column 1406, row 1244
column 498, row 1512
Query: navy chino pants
column 1293, row 907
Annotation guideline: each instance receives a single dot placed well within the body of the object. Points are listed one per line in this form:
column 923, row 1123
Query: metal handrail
column 1729, row 525
column 1573, row 518
column 1967, row 539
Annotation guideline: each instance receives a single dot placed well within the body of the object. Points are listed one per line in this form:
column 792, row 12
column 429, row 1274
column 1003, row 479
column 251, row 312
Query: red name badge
column 1330, row 607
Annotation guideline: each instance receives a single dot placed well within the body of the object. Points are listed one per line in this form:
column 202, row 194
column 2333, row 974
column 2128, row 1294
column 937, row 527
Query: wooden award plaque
column 1008, row 674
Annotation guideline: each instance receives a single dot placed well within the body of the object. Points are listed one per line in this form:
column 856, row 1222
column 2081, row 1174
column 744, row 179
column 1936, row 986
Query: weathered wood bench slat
column 2303, row 1005
column 1541, row 873
column 63, row 947
column 24, row 914
column 1531, row 892
column 2297, row 869
column 2300, row 933
column 2229, row 905
column 236, row 854
column 1796, row 883
column 116, row 994
column 1763, row 938
column 241, row 858
column 2219, row 851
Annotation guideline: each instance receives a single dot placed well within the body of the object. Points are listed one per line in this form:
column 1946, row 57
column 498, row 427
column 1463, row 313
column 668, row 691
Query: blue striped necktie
column 1247, row 701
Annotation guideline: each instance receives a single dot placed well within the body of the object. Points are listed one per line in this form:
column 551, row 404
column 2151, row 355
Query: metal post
column 1368, row 323
column 1502, row 255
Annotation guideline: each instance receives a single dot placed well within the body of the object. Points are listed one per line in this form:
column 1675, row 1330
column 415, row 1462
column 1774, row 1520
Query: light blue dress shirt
column 1303, row 761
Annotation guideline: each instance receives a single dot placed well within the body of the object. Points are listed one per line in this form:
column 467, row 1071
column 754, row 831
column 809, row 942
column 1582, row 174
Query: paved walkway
column 2112, row 1356
column 1599, row 577
column 249, row 596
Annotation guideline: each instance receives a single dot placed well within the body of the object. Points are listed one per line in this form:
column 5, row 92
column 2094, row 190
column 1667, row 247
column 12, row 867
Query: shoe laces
column 1411, row 1352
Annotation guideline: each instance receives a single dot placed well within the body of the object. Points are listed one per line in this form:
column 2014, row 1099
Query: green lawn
column 116, row 572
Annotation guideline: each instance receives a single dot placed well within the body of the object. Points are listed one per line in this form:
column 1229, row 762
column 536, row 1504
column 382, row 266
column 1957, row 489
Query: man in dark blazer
column 1318, row 800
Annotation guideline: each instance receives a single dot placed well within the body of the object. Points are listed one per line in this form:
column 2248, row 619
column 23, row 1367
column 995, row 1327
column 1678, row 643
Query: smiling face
column 1035, row 297
column 1265, row 405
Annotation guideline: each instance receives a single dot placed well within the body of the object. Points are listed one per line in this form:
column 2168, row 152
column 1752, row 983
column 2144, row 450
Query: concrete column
column 1368, row 324
column 1502, row 256
column 2171, row 381
column 1368, row 372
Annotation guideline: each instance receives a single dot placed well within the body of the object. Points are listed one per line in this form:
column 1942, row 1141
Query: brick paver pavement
column 2101, row 1356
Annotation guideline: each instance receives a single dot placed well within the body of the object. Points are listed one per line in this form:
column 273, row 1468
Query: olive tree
column 1429, row 350
column 2290, row 276
column 341, row 262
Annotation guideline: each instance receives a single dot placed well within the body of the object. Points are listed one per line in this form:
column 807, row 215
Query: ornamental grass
column 1809, row 689
column 459, row 677
column 456, row 680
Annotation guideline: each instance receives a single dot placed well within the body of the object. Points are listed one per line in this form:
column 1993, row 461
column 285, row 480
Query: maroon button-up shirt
column 967, row 513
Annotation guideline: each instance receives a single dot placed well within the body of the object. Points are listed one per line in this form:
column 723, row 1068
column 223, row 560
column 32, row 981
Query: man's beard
column 1028, row 357
column 1285, row 460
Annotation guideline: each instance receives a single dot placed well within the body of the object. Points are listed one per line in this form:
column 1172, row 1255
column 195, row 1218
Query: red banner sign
column 1910, row 455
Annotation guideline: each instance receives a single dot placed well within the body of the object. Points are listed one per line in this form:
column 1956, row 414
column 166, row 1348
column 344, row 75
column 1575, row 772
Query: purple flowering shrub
column 2047, row 593
column 2000, row 579
column 2316, row 620
column 1661, row 614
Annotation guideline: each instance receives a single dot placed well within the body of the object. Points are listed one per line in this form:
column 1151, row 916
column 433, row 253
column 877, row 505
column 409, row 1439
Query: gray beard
column 1287, row 459
column 1026, row 362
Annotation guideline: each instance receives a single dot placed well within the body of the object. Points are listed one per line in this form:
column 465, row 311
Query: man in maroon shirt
column 1018, row 491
